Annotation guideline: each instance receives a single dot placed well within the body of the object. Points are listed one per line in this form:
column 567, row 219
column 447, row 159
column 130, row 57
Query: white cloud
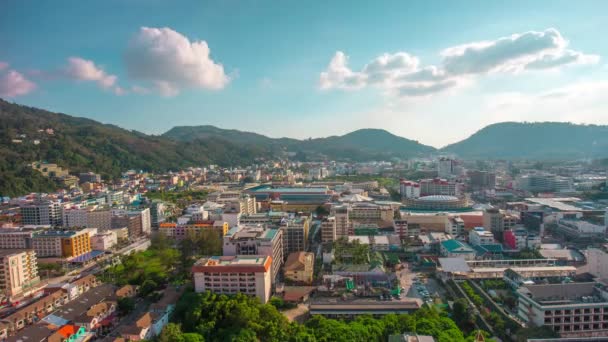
column 539, row 50
column 402, row 74
column 171, row 62
column 81, row 69
column 3, row 65
column 339, row 75
column 13, row 84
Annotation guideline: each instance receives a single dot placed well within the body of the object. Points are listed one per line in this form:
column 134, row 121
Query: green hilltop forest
column 86, row 145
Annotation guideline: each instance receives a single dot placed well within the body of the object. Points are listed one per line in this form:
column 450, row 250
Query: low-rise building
column 455, row 248
column 570, row 309
column 104, row 241
column 299, row 267
column 480, row 236
column 248, row 274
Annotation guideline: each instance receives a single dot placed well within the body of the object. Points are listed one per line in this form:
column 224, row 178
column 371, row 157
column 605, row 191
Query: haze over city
column 435, row 72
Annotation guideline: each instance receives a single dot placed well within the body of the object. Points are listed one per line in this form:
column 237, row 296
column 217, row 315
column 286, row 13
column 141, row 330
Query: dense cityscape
column 303, row 171
column 479, row 250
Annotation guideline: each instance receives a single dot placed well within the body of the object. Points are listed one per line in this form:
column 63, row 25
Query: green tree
column 171, row 333
column 126, row 305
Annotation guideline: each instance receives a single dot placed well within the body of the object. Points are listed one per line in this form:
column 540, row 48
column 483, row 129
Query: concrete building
column 573, row 310
column 104, row 240
column 245, row 240
column 427, row 222
column 480, row 236
column 479, row 180
column 401, row 228
column 65, row 244
column 439, row 186
column 328, row 229
column 15, row 238
column 75, row 217
column 248, row 274
column 580, row 229
column 299, row 267
column 295, row 235
column 41, row 213
column 455, row 226
column 497, row 221
column 179, row 232
column 18, row 271
column 344, row 226
column 544, row 182
column 409, row 189
column 99, row 218
column 446, row 167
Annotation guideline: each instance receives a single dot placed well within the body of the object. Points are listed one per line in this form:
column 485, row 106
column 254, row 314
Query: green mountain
column 540, row 140
column 86, row 145
column 360, row 145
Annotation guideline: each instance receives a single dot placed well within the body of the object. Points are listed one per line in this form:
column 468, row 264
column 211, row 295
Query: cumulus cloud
column 532, row 50
column 171, row 62
column 339, row 75
column 13, row 84
column 81, row 69
column 401, row 73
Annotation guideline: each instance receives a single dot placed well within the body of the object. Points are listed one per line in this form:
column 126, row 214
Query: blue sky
column 431, row 71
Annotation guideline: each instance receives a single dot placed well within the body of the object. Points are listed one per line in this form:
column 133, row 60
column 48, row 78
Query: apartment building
column 248, row 274
column 247, row 240
column 65, row 244
column 573, row 310
column 328, row 229
column 99, row 218
column 409, row 189
column 132, row 222
column 179, row 232
column 15, row 238
column 295, row 235
column 75, row 217
column 344, row 226
column 18, row 271
column 41, row 213
column 372, row 213
column 401, row 228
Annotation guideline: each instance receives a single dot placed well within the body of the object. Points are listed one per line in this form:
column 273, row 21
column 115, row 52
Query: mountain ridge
column 83, row 144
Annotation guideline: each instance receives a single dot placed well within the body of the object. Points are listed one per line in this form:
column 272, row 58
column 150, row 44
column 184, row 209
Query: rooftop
column 239, row 263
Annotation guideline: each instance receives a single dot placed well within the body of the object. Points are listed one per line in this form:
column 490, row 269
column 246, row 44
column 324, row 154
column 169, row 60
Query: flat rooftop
column 568, row 293
column 235, row 260
column 558, row 203
column 238, row 263
column 292, row 190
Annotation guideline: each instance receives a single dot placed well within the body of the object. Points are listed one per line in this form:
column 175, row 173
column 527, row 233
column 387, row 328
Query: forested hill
column 539, row 140
column 86, row 145
column 360, row 145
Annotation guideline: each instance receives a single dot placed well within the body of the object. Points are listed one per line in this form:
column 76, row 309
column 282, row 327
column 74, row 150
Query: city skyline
column 282, row 70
